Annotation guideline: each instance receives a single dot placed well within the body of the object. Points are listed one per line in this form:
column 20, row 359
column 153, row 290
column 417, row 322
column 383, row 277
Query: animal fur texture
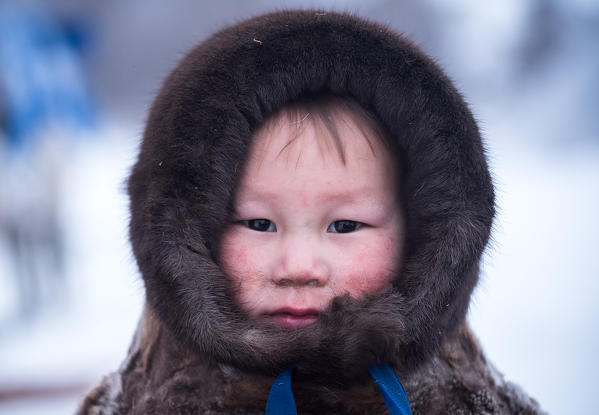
column 195, row 350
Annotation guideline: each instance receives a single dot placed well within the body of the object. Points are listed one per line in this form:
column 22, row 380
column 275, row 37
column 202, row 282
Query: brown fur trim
column 160, row 377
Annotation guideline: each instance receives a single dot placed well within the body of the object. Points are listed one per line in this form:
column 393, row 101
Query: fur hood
column 195, row 144
column 196, row 141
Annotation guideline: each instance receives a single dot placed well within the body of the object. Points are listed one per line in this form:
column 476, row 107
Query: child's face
column 308, row 228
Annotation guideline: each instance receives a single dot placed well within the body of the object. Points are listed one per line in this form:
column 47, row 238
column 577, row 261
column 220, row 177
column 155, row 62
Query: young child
column 310, row 202
column 316, row 214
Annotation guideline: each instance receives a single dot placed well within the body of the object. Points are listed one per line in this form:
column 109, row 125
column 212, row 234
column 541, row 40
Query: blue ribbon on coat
column 281, row 400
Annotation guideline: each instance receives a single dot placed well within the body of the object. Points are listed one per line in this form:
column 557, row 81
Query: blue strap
column 281, row 401
column 394, row 394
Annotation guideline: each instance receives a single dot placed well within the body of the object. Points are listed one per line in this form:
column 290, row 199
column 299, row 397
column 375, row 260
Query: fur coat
column 195, row 351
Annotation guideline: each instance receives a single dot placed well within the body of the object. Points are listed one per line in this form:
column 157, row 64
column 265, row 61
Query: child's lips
column 291, row 318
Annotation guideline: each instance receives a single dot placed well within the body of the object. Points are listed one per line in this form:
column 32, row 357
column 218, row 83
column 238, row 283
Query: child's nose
column 300, row 264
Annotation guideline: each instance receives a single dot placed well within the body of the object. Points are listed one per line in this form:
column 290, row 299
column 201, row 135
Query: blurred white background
column 70, row 293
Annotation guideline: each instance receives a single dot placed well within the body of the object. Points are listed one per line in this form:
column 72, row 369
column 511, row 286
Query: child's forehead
column 292, row 156
column 298, row 165
column 335, row 133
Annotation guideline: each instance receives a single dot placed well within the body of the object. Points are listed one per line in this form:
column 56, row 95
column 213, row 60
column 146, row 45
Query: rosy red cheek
column 240, row 257
column 234, row 256
column 366, row 272
column 360, row 258
column 373, row 269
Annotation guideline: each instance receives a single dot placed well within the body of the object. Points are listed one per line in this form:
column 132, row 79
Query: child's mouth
column 293, row 318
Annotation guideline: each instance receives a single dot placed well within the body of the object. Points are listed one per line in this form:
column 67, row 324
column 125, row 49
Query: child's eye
column 344, row 226
column 260, row 225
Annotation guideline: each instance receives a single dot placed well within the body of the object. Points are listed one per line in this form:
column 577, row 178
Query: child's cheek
column 238, row 258
column 370, row 268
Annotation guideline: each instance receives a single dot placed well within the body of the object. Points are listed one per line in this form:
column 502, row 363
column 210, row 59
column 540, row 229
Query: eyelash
column 354, row 225
column 255, row 225
column 265, row 225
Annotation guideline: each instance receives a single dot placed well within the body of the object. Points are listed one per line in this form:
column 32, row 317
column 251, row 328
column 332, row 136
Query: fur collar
column 162, row 376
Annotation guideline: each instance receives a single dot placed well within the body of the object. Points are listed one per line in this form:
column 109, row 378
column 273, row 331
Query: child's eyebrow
column 359, row 194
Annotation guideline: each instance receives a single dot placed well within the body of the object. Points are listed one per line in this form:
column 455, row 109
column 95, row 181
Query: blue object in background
column 41, row 75
column 44, row 102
